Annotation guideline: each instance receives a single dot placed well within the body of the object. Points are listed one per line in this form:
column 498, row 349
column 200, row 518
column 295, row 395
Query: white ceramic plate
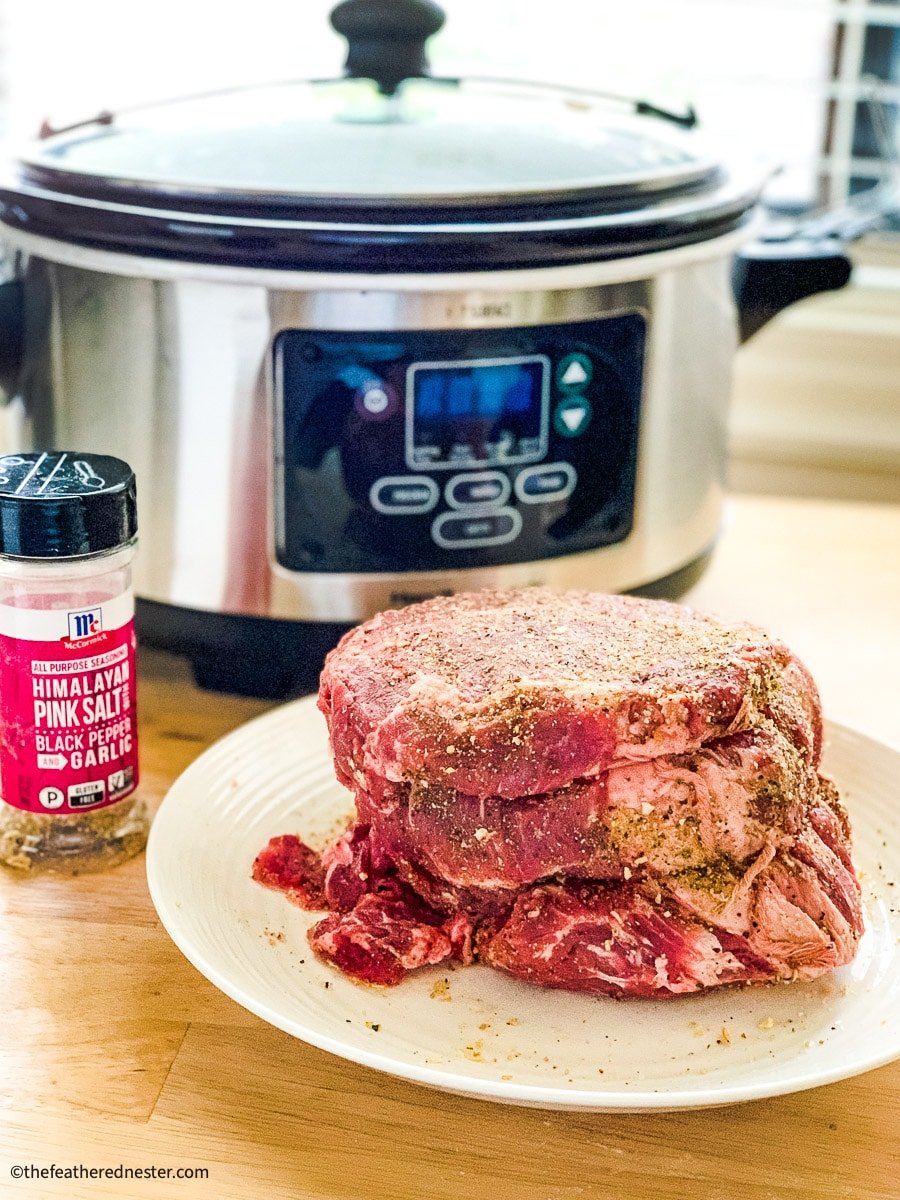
column 481, row 1033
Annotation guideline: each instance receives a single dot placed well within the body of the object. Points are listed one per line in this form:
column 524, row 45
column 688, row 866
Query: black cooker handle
column 771, row 275
column 11, row 336
column 386, row 38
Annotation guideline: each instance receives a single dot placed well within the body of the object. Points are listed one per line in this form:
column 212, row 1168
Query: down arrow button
column 572, row 416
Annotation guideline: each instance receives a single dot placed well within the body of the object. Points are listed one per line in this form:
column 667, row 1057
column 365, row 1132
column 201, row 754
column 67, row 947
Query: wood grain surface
column 114, row 1050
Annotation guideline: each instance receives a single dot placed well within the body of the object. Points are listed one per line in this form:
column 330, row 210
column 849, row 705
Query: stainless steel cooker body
column 372, row 338
column 170, row 366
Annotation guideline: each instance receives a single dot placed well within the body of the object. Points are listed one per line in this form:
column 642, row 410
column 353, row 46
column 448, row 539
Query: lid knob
column 386, row 38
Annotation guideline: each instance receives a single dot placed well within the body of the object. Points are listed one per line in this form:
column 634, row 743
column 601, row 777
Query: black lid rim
column 547, row 234
column 606, row 204
column 396, row 206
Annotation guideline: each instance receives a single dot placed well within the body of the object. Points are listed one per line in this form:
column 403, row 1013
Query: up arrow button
column 574, row 375
column 574, row 372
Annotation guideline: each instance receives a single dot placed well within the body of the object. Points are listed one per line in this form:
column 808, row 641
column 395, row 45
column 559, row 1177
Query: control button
column 574, row 372
column 375, row 398
column 479, row 487
column 403, row 494
column 468, row 531
column 552, row 481
column 572, row 416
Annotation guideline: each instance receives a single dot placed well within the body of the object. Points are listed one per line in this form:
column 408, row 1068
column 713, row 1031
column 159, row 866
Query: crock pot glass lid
column 344, row 140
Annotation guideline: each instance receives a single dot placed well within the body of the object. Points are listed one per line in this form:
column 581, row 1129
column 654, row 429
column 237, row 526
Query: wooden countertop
column 115, row 1050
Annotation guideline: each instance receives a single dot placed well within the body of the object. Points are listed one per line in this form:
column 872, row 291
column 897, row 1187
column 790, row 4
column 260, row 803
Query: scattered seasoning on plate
column 440, row 990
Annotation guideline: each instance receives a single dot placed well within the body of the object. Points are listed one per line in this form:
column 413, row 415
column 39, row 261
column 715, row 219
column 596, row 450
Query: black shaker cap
column 63, row 504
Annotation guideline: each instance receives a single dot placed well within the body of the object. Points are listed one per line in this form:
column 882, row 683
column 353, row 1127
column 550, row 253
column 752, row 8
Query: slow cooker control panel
column 437, row 450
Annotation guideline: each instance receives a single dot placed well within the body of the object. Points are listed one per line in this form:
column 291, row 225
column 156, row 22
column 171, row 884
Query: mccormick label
column 68, row 732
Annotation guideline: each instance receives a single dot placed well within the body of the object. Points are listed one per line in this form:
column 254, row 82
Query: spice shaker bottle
column 68, row 734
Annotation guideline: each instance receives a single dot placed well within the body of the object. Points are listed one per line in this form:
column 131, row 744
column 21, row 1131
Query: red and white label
column 68, row 693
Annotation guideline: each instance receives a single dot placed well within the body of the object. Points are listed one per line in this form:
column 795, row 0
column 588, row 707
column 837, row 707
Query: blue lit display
column 471, row 414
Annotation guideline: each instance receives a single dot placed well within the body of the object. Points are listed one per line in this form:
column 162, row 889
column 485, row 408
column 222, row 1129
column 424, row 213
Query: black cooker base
column 673, row 587
column 270, row 659
column 247, row 656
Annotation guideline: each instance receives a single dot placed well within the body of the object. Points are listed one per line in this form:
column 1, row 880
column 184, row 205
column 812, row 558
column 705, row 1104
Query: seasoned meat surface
column 519, row 693
column 609, row 795
column 614, row 941
column 732, row 797
column 788, row 912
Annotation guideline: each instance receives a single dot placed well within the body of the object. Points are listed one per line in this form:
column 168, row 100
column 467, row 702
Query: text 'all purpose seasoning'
column 68, row 731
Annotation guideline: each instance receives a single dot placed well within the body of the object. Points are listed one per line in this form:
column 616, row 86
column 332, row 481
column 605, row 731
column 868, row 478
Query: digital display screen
column 477, row 413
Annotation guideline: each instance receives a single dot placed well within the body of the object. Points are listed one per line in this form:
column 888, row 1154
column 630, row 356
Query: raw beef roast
column 731, row 797
column 598, row 793
column 517, row 693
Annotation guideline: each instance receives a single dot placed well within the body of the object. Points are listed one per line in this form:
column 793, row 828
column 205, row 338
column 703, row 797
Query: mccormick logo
column 85, row 624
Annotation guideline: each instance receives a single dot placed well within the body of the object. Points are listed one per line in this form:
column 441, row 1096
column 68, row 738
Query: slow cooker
column 369, row 339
